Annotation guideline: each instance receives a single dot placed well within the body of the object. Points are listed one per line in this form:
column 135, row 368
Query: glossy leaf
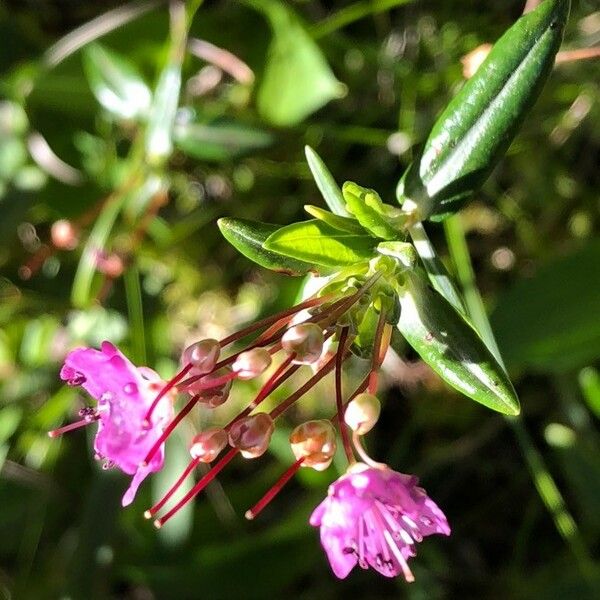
column 480, row 122
column 435, row 268
column 249, row 236
column 336, row 221
column 451, row 347
column 159, row 135
column 297, row 80
column 551, row 321
column 219, row 140
column 116, row 83
column 330, row 190
column 315, row 241
column 366, row 205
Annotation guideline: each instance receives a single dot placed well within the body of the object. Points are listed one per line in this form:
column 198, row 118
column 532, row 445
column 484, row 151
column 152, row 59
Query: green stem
column 133, row 294
column 542, row 478
column 350, row 14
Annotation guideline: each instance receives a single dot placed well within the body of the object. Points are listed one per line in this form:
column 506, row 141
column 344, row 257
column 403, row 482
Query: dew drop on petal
column 130, row 388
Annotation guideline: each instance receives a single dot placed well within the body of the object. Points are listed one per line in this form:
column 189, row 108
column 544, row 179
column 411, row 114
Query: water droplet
column 362, row 563
column 130, row 388
column 426, row 521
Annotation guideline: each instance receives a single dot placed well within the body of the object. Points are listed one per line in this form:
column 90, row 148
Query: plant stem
column 353, row 12
column 542, row 478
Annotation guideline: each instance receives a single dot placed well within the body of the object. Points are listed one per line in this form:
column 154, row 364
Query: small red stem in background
column 168, row 387
column 271, row 385
column 158, row 523
column 169, row 429
column 191, row 466
column 339, row 401
column 275, row 489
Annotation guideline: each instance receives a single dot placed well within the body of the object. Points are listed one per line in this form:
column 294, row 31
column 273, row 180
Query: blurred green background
column 136, row 258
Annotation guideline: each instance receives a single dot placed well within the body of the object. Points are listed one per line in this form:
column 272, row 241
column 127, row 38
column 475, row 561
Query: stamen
column 169, row 386
column 190, row 467
column 204, row 481
column 72, row 426
column 401, row 560
column 169, row 429
column 338, row 396
column 275, row 489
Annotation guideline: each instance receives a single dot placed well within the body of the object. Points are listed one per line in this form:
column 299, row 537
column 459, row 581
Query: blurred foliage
column 87, row 193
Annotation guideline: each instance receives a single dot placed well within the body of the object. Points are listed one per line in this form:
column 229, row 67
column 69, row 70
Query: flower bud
column 207, row 444
column 251, row 435
column 202, row 355
column 362, row 413
column 64, row 235
column 252, row 363
column 305, row 342
column 211, row 396
column 315, row 442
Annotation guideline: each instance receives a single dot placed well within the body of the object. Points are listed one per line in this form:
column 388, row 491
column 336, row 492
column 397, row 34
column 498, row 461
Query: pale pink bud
column 109, row 264
column 251, row 435
column 362, row 413
column 203, row 355
column 212, row 396
column 252, row 363
column 64, row 235
column 305, row 342
column 315, row 442
column 207, row 444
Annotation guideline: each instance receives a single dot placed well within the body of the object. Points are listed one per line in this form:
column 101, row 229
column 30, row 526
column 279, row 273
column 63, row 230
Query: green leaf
column 297, row 80
column 366, row 205
column 116, row 83
column 249, row 236
column 451, row 347
column 315, row 241
column 336, row 221
column 330, row 190
column 159, row 134
column 219, row 140
column 551, row 321
column 96, row 242
column 435, row 268
column 480, row 122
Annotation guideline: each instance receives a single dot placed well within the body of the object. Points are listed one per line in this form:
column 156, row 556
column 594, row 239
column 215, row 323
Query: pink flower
column 124, row 394
column 374, row 516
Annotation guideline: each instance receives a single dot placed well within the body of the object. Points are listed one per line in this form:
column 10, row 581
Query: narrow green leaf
column 551, row 321
column 297, row 80
column 116, row 83
column 366, row 205
column 336, row 221
column 451, row 347
column 315, row 241
column 435, row 268
column 249, row 236
column 96, row 242
column 480, row 122
column 330, row 190
column 219, row 140
column 159, row 135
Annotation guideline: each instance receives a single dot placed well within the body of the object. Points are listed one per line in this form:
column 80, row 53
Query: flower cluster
column 372, row 515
